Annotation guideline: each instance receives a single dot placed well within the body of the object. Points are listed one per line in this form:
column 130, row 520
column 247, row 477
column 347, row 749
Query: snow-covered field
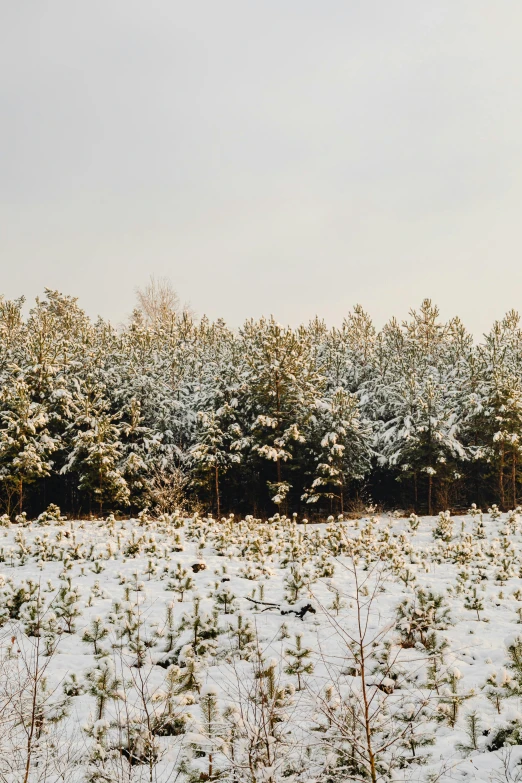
column 381, row 646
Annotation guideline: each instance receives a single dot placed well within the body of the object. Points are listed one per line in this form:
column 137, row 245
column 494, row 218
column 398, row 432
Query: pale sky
column 292, row 157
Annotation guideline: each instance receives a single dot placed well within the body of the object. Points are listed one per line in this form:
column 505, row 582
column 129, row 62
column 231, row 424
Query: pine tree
column 25, row 442
column 103, row 684
column 452, row 699
column 172, row 719
column 189, row 675
column 272, row 698
column 216, row 432
column 494, row 417
column 201, row 630
column 32, row 615
column 415, row 392
column 135, row 452
column 280, row 389
column 208, row 740
column 343, row 451
column 417, row 734
column 299, row 665
column 514, row 651
column 67, row 607
column 170, row 628
column 225, row 600
column 243, row 637
column 96, row 450
column 94, row 634
column 499, row 686
column 180, row 581
column 474, row 732
column 474, row 601
column 418, row 616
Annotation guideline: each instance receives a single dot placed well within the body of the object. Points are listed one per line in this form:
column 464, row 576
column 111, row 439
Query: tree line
column 169, row 409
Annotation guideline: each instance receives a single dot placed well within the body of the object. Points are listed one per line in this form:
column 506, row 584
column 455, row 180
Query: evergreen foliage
column 167, row 411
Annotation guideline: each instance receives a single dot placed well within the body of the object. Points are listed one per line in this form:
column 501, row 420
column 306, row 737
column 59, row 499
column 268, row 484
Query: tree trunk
column 101, row 490
column 430, row 482
column 278, row 427
column 501, row 480
column 514, row 478
column 366, row 704
column 217, row 492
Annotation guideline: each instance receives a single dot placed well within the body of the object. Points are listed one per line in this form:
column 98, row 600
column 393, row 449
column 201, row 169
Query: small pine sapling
column 299, row 664
column 407, row 576
column 171, row 719
column 207, row 741
column 514, row 651
column 51, row 631
column 201, row 630
column 451, row 699
column 103, row 684
column 180, row 581
column 72, row 685
column 436, row 647
column 474, row 602
column 94, row 634
column 474, row 732
column 416, row 735
column 283, row 632
column 296, row 583
column 151, row 569
column 499, row 686
column 31, row 615
column 417, row 616
column 243, row 637
column 189, row 674
column 67, row 607
column 444, row 527
column 225, row 600
column 169, row 630
column 338, row 602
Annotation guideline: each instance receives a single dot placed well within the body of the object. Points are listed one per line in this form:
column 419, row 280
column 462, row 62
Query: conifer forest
column 261, row 419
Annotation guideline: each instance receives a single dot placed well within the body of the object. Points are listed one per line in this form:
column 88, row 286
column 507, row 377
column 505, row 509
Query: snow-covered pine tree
column 299, row 663
column 211, row 454
column 342, row 447
column 200, row 630
column 206, row 741
column 280, row 390
column 492, row 411
column 96, row 633
column 25, row 442
column 97, row 449
column 345, row 355
column 414, row 394
column 103, row 683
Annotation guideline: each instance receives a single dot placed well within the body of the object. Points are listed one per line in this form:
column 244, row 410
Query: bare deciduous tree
column 159, row 302
column 375, row 717
column 35, row 744
column 167, row 489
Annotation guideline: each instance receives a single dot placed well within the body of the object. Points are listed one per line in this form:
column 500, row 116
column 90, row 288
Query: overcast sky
column 292, row 157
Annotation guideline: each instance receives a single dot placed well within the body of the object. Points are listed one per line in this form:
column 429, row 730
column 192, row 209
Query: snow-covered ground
column 219, row 692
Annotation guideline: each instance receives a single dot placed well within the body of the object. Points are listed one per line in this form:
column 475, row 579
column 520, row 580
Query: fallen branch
column 299, row 610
